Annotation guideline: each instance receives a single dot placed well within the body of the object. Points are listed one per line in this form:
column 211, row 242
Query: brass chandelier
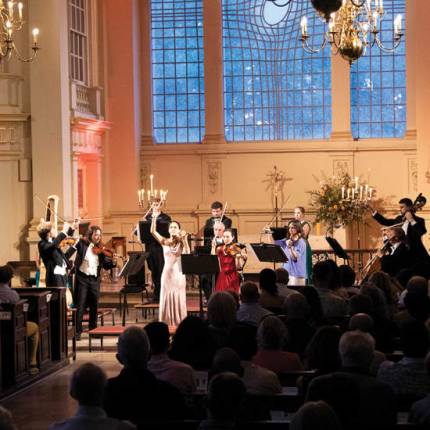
column 352, row 26
column 11, row 21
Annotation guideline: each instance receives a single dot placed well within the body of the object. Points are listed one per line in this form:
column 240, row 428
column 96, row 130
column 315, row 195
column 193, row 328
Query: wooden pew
column 58, row 322
column 39, row 312
column 14, row 349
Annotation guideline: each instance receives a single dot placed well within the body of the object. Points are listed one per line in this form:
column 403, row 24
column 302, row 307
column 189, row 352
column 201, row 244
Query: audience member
column 86, row 387
column 192, row 344
column 269, row 297
column 221, row 317
column 271, row 337
column 322, row 352
column 257, row 379
column 7, row 295
column 314, row 302
column 420, row 410
column 409, row 377
column 326, row 280
column 300, row 332
column 360, row 304
column 315, row 415
column 250, row 311
column 376, row 405
column 382, row 281
column 347, row 281
column 135, row 394
column 364, row 323
column 6, row 421
column 282, row 278
column 226, row 396
column 179, row 374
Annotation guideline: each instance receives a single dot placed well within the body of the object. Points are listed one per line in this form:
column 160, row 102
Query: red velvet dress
column 228, row 278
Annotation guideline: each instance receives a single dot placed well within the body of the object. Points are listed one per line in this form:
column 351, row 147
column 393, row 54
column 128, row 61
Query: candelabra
column 151, row 195
column 353, row 25
column 11, row 21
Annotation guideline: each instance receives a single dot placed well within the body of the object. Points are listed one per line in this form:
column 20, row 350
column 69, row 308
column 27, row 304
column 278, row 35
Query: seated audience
column 6, row 421
column 364, row 323
column 257, row 379
column 7, row 295
column 87, row 387
column 382, row 281
column 136, row 394
column 192, row 344
column 250, row 311
column 347, row 280
column 179, row 374
column 300, row 332
column 315, row 415
column 384, row 329
column 271, row 337
column 408, row 377
column 360, row 304
column 269, row 295
column 322, row 352
column 420, row 410
column 326, row 281
column 221, row 317
column 376, row 404
column 226, row 396
column 282, row 278
column 314, row 302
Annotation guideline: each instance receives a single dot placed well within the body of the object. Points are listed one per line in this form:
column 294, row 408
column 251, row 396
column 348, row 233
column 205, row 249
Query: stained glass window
column 177, row 71
column 378, row 85
column 273, row 90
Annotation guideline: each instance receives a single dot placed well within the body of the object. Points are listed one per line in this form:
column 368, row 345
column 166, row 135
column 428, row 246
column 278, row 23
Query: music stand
column 279, row 233
column 269, row 253
column 200, row 265
column 337, row 248
column 134, row 265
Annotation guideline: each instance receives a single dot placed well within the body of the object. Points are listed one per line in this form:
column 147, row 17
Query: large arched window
column 378, row 85
column 177, row 71
column 273, row 90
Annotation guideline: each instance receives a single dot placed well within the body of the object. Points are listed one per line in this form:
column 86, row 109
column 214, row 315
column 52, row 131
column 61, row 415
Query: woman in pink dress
column 231, row 258
column 173, row 300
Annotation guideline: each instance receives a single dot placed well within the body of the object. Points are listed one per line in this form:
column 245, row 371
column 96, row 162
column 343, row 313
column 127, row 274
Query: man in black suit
column 413, row 226
column 216, row 212
column 88, row 264
column 56, row 262
column 396, row 256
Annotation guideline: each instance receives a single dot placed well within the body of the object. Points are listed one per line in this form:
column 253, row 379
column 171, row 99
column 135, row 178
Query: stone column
column 213, row 66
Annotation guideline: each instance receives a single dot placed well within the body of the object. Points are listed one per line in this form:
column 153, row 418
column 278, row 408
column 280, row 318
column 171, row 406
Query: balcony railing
column 86, row 101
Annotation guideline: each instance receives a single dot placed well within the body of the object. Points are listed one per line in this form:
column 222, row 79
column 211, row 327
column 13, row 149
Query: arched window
column 378, row 85
column 177, row 71
column 273, row 90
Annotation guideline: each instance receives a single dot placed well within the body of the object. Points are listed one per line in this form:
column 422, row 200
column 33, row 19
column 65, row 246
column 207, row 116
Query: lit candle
column 9, row 29
column 398, row 24
column 35, row 35
column 138, row 196
column 343, row 193
column 149, row 195
column 304, row 26
column 356, row 183
column 375, row 20
column 353, row 193
column 370, row 193
column 151, row 178
column 361, row 192
column 332, row 22
column 10, row 7
column 381, row 6
column 347, row 194
column 20, row 6
column 155, row 193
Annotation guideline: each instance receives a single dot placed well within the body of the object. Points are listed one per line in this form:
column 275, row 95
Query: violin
column 68, row 241
column 233, row 249
column 100, row 248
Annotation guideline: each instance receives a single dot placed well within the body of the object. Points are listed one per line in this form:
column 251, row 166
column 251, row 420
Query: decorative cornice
column 210, row 139
column 90, row 124
column 14, row 117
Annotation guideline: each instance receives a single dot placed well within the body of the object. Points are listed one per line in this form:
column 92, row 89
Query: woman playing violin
column 295, row 249
column 231, row 258
column 91, row 257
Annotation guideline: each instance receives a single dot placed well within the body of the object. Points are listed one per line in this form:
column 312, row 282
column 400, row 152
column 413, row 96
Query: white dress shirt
column 90, row 262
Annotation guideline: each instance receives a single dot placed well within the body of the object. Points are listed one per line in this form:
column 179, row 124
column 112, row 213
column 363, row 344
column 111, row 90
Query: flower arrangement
column 340, row 201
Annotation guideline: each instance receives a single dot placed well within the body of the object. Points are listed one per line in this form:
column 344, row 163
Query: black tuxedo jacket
column 398, row 260
column 413, row 235
column 81, row 248
column 52, row 255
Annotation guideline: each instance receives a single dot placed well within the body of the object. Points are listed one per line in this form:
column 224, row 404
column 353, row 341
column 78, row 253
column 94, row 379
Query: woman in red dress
column 231, row 259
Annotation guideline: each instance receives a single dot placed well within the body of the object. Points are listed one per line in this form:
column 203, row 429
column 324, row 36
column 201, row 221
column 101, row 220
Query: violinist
column 413, row 226
column 91, row 257
column 232, row 258
column 55, row 260
column 295, row 249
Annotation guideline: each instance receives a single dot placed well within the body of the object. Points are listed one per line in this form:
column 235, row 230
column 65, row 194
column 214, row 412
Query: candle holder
column 149, row 196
